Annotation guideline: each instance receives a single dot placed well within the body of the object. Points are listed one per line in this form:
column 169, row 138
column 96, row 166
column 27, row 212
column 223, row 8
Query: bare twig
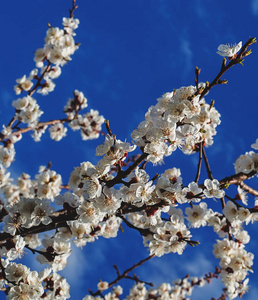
column 124, row 275
column 123, row 174
column 222, row 200
column 207, row 164
column 199, row 163
column 248, row 189
column 74, row 7
column 224, row 67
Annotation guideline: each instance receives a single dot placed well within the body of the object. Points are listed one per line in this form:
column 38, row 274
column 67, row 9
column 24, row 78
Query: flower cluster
column 179, row 119
column 27, row 284
column 46, row 185
column 247, row 162
column 118, row 189
column 57, row 51
column 179, row 289
column 27, row 110
column 235, row 264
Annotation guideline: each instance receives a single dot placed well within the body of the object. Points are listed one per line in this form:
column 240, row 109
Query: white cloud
column 254, row 7
column 200, row 10
column 75, row 268
column 213, row 289
column 186, row 57
column 177, row 267
column 6, row 98
column 163, row 10
column 252, row 294
column 199, row 265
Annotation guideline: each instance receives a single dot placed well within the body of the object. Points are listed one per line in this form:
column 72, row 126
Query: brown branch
column 197, row 73
column 142, row 231
column 49, row 255
column 108, row 127
column 59, row 220
column 224, row 67
column 124, row 275
column 236, row 178
column 39, row 125
column 38, row 83
column 123, row 174
column 222, row 200
column 11, row 122
column 74, row 7
column 207, row 164
column 199, row 163
column 248, row 189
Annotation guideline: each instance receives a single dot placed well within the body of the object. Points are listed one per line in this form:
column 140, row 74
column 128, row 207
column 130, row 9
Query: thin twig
column 222, row 200
column 199, row 163
column 124, row 275
column 123, row 174
column 142, row 231
column 224, row 67
column 248, row 189
column 71, row 11
column 207, row 164
column 38, row 83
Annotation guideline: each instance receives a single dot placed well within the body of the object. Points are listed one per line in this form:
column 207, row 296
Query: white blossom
column 229, row 50
column 212, row 189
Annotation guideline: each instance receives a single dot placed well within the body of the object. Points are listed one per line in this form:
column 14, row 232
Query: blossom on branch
column 229, row 50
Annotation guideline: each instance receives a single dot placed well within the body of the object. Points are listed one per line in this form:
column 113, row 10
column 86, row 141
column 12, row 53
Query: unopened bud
column 212, row 103
column 222, row 81
column 246, row 53
column 253, row 40
column 241, row 62
column 197, row 71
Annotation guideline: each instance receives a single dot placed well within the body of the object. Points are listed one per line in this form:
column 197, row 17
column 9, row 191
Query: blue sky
column 131, row 53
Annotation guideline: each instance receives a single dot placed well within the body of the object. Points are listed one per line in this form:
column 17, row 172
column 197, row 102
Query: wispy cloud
column 200, row 10
column 254, row 7
column 252, row 294
column 186, row 57
column 177, row 267
column 163, row 10
column 6, row 100
column 76, row 265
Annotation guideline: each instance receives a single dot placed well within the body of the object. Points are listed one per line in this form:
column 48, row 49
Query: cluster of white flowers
column 27, row 284
column 27, row 110
column 89, row 124
column 7, row 154
column 235, row 262
column 102, row 196
column 59, row 46
column 47, row 185
column 115, row 294
column 169, row 236
column 57, row 132
column 247, row 162
column 179, row 289
column 57, row 51
column 179, row 119
column 95, row 201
